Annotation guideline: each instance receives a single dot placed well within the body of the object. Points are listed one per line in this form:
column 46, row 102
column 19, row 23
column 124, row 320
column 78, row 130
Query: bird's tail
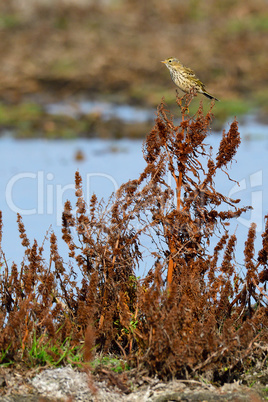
column 209, row 96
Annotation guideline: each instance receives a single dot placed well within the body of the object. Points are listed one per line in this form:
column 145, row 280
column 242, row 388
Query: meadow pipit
column 185, row 78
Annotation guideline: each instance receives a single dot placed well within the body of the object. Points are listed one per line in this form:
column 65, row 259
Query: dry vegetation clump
column 192, row 313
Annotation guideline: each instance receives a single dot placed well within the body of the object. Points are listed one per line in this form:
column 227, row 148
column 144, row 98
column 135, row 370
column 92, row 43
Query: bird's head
column 171, row 62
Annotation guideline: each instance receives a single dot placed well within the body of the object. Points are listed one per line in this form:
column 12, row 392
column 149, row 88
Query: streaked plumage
column 185, row 78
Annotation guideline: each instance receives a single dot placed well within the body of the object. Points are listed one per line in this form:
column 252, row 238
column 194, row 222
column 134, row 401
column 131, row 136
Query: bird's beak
column 163, row 61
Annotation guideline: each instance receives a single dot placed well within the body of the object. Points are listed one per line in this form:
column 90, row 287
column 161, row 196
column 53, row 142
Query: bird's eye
column 169, row 61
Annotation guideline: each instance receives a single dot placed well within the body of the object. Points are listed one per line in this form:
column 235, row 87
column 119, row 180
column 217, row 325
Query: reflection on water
column 37, row 176
column 250, row 129
column 106, row 111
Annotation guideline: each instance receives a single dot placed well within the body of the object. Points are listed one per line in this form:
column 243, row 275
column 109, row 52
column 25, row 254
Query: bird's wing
column 194, row 78
column 199, row 83
column 189, row 71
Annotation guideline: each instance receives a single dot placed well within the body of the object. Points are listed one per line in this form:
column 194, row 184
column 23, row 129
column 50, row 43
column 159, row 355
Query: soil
column 67, row 384
column 115, row 47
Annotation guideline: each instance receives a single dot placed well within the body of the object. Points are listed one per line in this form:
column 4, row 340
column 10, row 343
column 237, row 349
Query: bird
column 185, row 78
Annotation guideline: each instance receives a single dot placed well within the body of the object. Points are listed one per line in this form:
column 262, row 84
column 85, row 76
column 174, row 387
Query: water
column 105, row 110
column 37, row 176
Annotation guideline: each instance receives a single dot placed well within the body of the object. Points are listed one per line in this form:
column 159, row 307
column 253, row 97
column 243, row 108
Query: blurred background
column 110, row 50
column 90, row 69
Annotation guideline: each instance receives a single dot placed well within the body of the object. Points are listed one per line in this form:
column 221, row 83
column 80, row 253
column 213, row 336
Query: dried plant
column 192, row 312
